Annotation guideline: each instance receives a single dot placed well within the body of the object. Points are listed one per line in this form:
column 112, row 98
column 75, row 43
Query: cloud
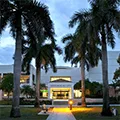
column 7, row 41
column 60, row 12
column 6, row 55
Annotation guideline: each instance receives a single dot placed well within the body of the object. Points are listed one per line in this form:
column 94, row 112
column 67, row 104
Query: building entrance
column 60, row 93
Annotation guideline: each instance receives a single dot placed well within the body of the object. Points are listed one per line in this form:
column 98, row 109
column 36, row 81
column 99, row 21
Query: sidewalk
column 61, row 114
column 64, row 106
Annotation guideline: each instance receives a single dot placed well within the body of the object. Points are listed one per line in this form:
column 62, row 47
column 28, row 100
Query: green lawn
column 92, row 113
column 26, row 114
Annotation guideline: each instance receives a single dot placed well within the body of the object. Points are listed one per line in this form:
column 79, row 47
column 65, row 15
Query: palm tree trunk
column 106, row 107
column 8, row 95
column 15, row 111
column 83, row 102
column 37, row 96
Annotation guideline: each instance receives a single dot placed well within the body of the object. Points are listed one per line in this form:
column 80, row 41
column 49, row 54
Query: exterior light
column 5, row 94
column 70, row 103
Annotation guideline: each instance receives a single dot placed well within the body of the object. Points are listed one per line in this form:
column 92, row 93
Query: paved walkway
column 61, row 114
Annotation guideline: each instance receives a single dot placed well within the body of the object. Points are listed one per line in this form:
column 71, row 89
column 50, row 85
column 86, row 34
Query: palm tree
column 21, row 14
column 105, row 23
column 27, row 90
column 80, row 43
column 44, row 57
column 70, row 50
column 102, row 18
column 78, row 50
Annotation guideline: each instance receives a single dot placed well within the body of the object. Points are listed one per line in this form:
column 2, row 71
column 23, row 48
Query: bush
column 113, row 100
column 32, row 102
column 94, row 96
column 95, row 103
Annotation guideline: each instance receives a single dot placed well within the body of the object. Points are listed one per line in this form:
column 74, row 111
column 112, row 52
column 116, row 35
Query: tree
column 116, row 76
column 104, row 25
column 87, row 50
column 78, row 50
column 7, row 84
column 20, row 15
column 95, row 88
column 102, row 18
column 27, row 90
column 43, row 54
column 44, row 59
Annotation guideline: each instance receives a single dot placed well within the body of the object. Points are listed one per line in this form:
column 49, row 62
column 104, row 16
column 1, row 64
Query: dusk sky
column 60, row 13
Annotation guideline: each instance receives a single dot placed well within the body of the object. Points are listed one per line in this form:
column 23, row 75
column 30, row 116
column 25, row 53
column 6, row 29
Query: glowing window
column 55, row 78
column 24, row 78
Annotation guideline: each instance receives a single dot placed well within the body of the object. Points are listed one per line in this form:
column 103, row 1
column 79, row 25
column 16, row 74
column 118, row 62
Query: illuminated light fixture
column 5, row 95
column 70, row 103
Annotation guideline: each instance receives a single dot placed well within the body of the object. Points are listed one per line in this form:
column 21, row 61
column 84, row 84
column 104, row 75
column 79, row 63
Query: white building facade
column 61, row 84
column 25, row 79
column 94, row 74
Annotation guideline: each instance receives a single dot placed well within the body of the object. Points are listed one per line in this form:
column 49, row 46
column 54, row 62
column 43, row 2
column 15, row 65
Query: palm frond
column 110, row 38
column 41, row 13
column 78, row 17
column 5, row 13
column 69, row 52
column 75, row 60
column 68, row 37
column 47, row 54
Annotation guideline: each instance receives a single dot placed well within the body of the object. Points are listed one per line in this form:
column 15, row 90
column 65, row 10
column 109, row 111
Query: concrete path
column 61, row 114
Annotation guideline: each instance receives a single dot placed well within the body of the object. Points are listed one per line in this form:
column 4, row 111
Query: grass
column 26, row 113
column 92, row 113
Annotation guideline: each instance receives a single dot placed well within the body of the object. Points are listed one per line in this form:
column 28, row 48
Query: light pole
column 70, row 103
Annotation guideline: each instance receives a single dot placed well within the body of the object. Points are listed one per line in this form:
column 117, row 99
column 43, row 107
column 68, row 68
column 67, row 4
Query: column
column 31, row 74
column 48, row 91
column 1, row 75
column 72, row 91
column 0, row 95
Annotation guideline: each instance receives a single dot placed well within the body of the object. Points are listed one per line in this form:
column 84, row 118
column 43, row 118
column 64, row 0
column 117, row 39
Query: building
column 65, row 77
column 95, row 74
column 26, row 79
column 60, row 85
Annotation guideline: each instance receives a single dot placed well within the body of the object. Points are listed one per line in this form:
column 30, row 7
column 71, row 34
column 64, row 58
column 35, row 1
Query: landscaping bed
column 26, row 102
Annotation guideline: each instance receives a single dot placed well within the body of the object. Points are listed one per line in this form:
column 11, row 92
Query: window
column 24, row 78
column 55, row 78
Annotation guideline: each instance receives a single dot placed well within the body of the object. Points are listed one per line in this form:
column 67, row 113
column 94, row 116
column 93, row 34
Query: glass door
column 60, row 94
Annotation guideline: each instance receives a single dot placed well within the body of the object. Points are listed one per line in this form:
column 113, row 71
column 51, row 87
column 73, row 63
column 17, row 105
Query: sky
column 60, row 12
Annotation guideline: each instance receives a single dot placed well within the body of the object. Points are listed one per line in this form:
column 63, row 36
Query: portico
column 60, row 89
